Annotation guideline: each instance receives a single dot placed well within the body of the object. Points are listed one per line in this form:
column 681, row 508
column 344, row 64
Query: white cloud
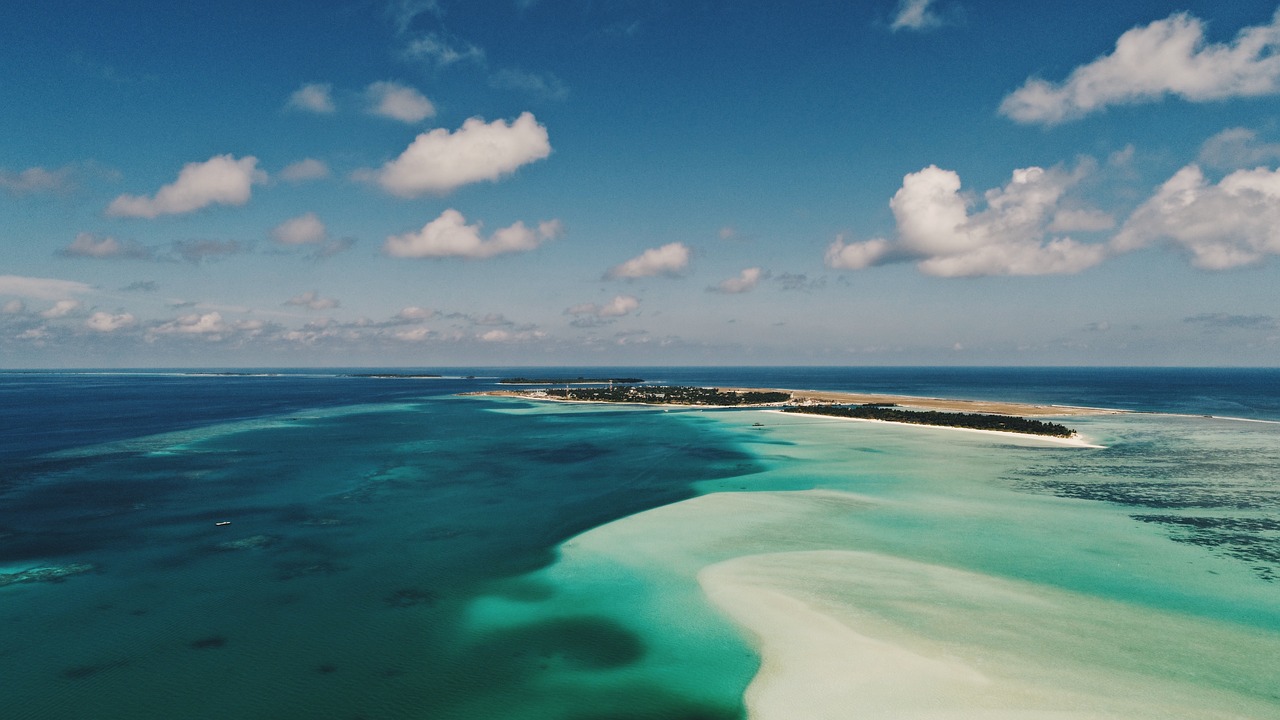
column 669, row 259
column 89, row 245
column 1233, row 223
column 312, row 301
column 62, row 308
column 439, row 161
column 1078, row 220
column 507, row 336
column 221, row 180
column 40, row 288
column 301, row 230
column 35, row 180
column 417, row 334
column 313, row 97
column 936, row 228
column 915, row 15
column 208, row 324
column 745, row 282
column 414, row 312
column 305, row 169
column 441, row 53
column 1166, row 57
column 619, row 306
column 398, row 102
column 1237, row 148
column 106, row 322
column 450, row 236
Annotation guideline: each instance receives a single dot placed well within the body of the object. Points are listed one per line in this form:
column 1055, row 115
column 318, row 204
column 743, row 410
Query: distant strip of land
column 971, row 414
column 569, row 381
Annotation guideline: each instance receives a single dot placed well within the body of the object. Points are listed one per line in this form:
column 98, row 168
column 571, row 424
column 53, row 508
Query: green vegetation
column 672, row 395
column 975, row 421
column 569, row 381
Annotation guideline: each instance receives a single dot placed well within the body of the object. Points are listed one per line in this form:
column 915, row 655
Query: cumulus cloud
column 313, row 97
column 450, row 236
column 1081, row 220
column 34, row 288
column 1235, row 148
column 305, row 169
column 591, row 314
column 1008, row 237
column 669, row 259
column 1233, row 223
column 35, row 180
column 220, row 180
column 312, row 301
column 106, row 322
column 210, row 325
column 507, row 336
column 62, row 308
column 746, row 281
column 302, row 230
column 91, row 246
column 439, row 161
column 915, row 15
column 417, row 334
column 398, row 102
column 1166, row 57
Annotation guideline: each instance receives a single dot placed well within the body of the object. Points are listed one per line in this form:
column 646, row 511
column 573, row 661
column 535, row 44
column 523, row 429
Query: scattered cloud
column 106, row 322
column 439, row 161
column 1008, row 237
column 800, row 281
column 34, row 288
column 312, row 301
column 220, row 180
column 304, row 170
column 1235, row 148
column 450, row 236
column 440, row 52
column 35, row 180
column 746, row 281
column 62, row 308
column 541, row 85
column 141, row 286
column 1166, row 57
column 727, row 232
column 198, row 251
column 87, row 245
column 398, row 102
column 330, row 247
column 210, row 325
column 13, row 307
column 313, row 97
column 508, row 336
column 1233, row 223
column 414, row 313
column 417, row 334
column 915, row 15
column 669, row 259
column 592, row 315
column 1223, row 321
column 302, row 230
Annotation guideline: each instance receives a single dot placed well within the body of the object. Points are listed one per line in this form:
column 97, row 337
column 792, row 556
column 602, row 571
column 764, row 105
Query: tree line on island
column 715, row 397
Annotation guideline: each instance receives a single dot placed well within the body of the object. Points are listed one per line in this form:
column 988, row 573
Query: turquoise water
column 398, row 552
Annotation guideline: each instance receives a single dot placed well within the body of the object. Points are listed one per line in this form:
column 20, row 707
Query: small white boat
column 224, row 522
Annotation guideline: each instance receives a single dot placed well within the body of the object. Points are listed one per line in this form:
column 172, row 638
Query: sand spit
column 1076, row 440
column 846, row 634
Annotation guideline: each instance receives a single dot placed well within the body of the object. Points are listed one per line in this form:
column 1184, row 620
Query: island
column 991, row 416
column 569, row 381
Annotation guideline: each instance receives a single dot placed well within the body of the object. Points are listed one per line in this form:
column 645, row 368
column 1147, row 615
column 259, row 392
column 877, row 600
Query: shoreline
column 1076, row 440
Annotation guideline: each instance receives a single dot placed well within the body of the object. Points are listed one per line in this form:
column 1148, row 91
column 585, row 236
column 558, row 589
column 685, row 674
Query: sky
column 639, row 182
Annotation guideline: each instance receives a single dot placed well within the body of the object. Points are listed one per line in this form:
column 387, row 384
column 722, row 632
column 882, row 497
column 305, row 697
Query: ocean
column 339, row 544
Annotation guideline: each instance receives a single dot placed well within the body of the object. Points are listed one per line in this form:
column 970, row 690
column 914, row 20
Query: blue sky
column 460, row 182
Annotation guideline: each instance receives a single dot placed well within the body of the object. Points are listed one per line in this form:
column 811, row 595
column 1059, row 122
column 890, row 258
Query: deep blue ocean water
column 367, row 513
